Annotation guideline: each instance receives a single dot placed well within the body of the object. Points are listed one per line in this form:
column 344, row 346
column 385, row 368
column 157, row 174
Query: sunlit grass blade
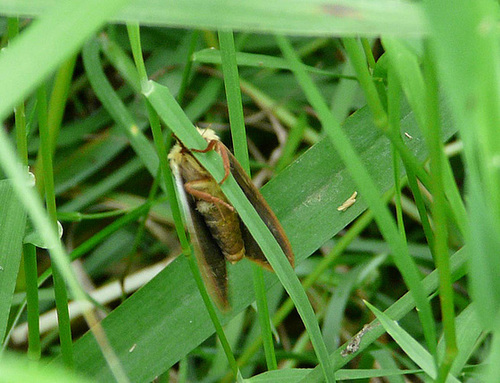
column 332, row 17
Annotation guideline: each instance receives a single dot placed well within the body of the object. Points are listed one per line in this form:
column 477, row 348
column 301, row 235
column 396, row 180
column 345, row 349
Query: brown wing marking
column 266, row 214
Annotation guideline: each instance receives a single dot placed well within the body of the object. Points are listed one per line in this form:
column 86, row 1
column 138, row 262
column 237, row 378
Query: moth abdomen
column 223, row 224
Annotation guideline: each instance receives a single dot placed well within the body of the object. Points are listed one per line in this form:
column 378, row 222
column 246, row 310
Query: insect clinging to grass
column 217, row 232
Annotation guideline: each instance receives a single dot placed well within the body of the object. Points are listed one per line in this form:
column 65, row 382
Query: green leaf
column 12, row 225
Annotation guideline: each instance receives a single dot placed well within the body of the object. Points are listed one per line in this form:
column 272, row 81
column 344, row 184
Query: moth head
column 208, row 134
column 179, row 149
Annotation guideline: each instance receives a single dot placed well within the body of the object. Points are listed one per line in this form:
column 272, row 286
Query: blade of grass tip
column 134, row 36
column 172, row 114
column 369, row 191
column 237, row 123
column 61, row 294
column 410, row 346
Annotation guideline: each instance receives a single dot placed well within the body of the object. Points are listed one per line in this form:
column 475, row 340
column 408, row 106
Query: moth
column 217, row 232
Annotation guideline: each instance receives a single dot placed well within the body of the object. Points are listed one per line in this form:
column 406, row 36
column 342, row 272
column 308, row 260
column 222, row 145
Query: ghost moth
column 217, row 232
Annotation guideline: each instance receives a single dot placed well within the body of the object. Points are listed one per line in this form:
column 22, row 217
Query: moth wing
column 208, row 254
column 253, row 251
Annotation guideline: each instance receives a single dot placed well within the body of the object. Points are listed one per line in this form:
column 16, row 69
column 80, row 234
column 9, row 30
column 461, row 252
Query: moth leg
column 222, row 150
column 211, row 145
column 190, row 188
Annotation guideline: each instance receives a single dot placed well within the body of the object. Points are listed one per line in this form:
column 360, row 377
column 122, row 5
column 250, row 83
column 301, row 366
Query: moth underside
column 216, row 230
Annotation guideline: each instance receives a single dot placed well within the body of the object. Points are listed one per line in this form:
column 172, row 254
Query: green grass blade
column 473, row 81
column 296, row 375
column 330, row 17
column 61, row 293
column 212, row 56
column 469, row 332
column 13, row 223
column 240, row 147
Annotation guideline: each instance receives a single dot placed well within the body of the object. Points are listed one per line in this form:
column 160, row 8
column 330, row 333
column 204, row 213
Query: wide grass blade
column 305, row 17
column 12, row 224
